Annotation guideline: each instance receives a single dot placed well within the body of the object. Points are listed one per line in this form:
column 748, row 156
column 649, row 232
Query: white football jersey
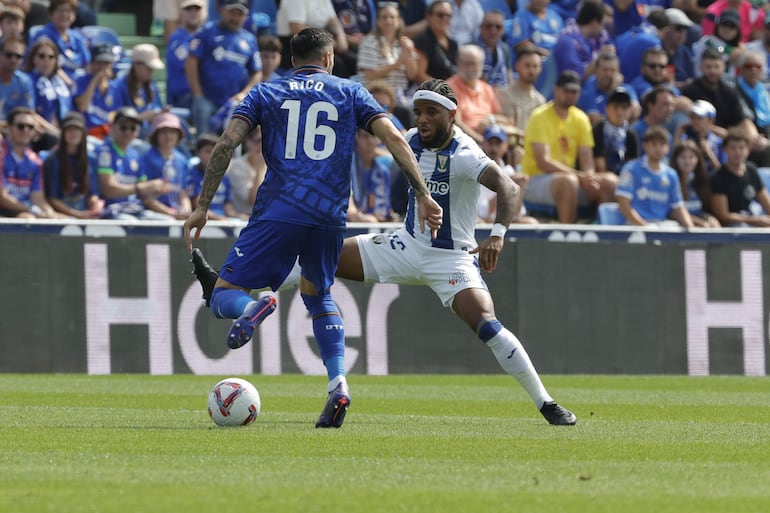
column 452, row 176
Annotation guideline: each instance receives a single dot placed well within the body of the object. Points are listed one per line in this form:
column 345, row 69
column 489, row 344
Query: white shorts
column 398, row 258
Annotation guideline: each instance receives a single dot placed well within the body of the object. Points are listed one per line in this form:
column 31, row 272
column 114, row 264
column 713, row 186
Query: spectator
column 699, row 130
column 16, row 88
column 11, row 22
column 137, row 89
column 632, row 44
column 595, row 90
column 413, row 14
column 476, row 100
column 386, row 96
column 386, row 54
column 436, row 50
column 495, row 145
column 74, row 55
column 498, row 62
column 559, row 135
column 221, row 206
column 356, row 18
column 648, row 190
column 67, row 176
column 566, row 8
column 295, row 15
column 755, row 98
column 582, row 39
column 762, row 46
column 520, row 98
column 654, row 72
column 658, row 105
column 726, row 39
column 465, row 21
column 52, row 94
column 172, row 14
column 94, row 95
column 370, row 178
column 223, row 64
column 615, row 141
column 164, row 162
column 737, row 184
column 270, row 50
column 723, row 97
column 191, row 19
column 246, row 174
column 687, row 161
column 679, row 53
column 538, row 24
column 21, row 180
column 123, row 184
column 750, row 20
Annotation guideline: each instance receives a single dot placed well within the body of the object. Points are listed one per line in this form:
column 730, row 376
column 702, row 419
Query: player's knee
column 488, row 328
column 319, row 305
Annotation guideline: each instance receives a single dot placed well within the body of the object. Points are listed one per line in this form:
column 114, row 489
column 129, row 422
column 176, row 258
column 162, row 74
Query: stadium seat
column 609, row 213
column 123, row 24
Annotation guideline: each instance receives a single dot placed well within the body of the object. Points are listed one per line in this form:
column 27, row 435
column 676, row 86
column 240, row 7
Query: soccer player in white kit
column 454, row 168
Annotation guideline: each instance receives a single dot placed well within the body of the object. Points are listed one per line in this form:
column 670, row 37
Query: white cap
column 678, row 18
column 703, row 109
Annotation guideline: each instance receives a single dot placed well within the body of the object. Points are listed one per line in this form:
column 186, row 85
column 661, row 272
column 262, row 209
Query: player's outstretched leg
column 206, row 275
column 513, row 358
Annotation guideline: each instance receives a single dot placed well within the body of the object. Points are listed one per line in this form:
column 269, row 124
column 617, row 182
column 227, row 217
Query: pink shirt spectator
column 752, row 19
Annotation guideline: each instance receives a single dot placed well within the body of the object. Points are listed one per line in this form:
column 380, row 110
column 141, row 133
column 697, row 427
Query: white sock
column 336, row 381
column 514, row 360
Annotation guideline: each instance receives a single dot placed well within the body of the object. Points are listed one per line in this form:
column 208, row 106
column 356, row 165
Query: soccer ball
column 234, row 402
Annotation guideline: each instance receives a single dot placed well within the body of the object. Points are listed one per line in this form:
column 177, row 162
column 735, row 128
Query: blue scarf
column 761, row 100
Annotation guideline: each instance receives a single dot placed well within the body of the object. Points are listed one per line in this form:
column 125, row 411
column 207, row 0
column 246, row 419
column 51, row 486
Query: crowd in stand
column 657, row 108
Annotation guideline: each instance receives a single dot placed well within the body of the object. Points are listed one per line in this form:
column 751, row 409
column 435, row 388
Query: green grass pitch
column 130, row 443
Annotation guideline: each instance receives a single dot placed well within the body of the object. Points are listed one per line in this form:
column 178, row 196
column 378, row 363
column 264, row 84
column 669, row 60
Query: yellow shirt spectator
column 563, row 137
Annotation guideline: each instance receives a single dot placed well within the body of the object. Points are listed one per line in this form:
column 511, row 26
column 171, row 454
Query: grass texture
column 130, row 443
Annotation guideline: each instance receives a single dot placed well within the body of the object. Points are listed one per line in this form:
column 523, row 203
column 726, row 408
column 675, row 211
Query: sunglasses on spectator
column 654, row 65
column 23, row 126
column 12, row 55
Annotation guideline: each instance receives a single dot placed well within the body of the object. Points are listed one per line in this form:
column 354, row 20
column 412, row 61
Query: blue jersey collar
column 308, row 68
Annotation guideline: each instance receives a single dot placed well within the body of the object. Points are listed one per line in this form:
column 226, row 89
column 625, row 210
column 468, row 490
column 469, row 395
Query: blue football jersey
column 309, row 120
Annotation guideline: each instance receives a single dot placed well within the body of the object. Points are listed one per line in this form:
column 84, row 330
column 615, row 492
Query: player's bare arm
column 429, row 211
column 220, row 158
column 508, row 203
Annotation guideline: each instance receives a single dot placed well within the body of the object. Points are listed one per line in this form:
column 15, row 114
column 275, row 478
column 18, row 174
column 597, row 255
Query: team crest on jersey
column 134, row 165
column 442, row 161
column 378, row 239
column 664, row 181
column 243, row 44
column 105, row 159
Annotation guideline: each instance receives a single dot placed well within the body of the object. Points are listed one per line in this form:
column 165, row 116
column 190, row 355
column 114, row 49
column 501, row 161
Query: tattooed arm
column 220, row 159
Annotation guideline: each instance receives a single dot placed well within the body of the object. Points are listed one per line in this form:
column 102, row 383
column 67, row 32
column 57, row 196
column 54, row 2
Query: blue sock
column 329, row 332
column 229, row 303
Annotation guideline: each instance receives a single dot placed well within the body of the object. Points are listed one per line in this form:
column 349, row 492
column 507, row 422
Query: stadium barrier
column 105, row 297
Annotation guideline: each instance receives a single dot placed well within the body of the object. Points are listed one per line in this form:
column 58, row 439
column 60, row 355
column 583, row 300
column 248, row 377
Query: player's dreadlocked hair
column 438, row 86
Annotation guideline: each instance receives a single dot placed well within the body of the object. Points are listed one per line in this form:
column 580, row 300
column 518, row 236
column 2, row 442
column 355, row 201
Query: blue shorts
column 266, row 251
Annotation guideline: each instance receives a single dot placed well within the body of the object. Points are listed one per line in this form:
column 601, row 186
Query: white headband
column 424, row 94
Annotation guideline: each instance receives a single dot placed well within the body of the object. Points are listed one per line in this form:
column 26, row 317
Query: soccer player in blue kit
column 454, row 168
column 309, row 120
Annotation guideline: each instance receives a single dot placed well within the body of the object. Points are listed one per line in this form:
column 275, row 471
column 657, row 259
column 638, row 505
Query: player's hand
column 196, row 220
column 431, row 213
column 489, row 253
